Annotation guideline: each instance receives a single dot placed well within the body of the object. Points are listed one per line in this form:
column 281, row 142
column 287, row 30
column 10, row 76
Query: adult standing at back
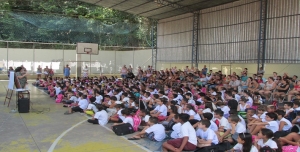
column 46, row 72
column 124, row 72
column 67, row 70
column 22, row 76
column 204, row 70
column 39, row 72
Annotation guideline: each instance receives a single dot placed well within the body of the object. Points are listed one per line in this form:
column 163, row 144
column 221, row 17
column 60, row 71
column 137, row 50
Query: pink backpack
column 136, row 122
column 59, row 98
column 289, row 148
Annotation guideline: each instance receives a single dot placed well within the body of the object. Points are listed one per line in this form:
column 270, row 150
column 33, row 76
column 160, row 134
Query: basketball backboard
column 87, row 48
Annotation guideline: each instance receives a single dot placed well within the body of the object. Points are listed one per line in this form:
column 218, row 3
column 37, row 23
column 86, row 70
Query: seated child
column 235, row 127
column 154, row 132
column 128, row 118
column 265, row 139
column 176, row 128
column 270, row 123
column 91, row 109
column 222, row 123
column 288, row 108
column 160, row 110
column 251, row 115
column 111, row 105
column 188, row 140
column 72, row 99
column 100, row 117
column 118, row 117
column 284, row 124
column 99, row 98
column 244, row 143
column 206, row 136
column 82, row 105
column 145, row 117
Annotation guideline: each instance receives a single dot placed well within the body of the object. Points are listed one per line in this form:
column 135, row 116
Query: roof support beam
column 154, row 43
column 262, row 34
column 195, row 39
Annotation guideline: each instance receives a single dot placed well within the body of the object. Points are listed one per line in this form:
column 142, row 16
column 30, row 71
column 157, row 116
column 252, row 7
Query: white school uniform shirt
column 191, row 101
column 239, row 128
column 289, row 110
column 243, row 108
column 255, row 116
column 193, row 113
column 270, row 143
column 102, row 117
column 176, row 131
column 146, row 118
column 208, row 135
column 126, row 99
column 83, row 103
column 92, row 107
column 250, row 101
column 272, row 125
column 239, row 147
column 223, row 122
column 263, row 116
column 200, row 100
column 57, row 90
column 207, row 110
column 158, row 130
column 99, row 99
column 187, row 130
column 128, row 120
column 242, row 120
column 297, row 109
column 162, row 109
column 237, row 97
column 225, row 109
column 213, row 126
column 120, row 115
column 73, row 98
column 287, row 126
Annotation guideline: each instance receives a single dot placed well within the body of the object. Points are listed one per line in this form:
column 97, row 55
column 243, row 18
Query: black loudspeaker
column 23, row 105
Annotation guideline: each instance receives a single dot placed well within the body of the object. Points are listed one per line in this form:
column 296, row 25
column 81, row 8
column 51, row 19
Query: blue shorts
column 150, row 136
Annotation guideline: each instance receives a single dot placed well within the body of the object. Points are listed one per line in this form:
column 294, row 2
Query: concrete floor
column 46, row 128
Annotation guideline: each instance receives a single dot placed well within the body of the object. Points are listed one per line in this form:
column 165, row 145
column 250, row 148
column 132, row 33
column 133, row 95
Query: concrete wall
column 107, row 62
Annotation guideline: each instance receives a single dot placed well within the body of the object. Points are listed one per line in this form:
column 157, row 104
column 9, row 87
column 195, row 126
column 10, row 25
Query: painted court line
column 59, row 137
column 134, row 143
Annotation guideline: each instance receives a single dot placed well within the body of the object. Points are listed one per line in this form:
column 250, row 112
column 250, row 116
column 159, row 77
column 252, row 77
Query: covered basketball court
column 223, row 34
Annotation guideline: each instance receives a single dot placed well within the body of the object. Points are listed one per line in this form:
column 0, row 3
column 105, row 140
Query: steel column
column 262, row 34
column 195, row 39
column 154, row 43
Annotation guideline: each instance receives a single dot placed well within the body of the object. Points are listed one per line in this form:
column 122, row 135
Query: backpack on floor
column 59, row 98
column 123, row 129
column 136, row 122
column 214, row 148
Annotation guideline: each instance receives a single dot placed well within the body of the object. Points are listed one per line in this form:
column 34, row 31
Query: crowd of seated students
column 190, row 108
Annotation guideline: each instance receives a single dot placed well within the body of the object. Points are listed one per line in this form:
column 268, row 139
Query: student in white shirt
column 224, row 108
column 235, row 126
column 288, row 108
column 128, row 119
column 71, row 100
column 160, row 109
column 194, row 116
column 269, row 124
column 284, row 124
column 117, row 117
column 57, row 88
column 188, row 140
column 208, row 116
column 82, row 105
column 154, row 132
column 176, row 128
column 190, row 99
column 100, row 117
column 91, row 109
column 244, row 143
column 99, row 98
column 243, row 105
column 265, row 139
column 206, row 136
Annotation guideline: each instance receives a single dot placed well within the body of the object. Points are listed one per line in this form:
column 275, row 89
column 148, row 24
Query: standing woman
column 124, row 72
column 39, row 72
column 46, row 72
column 67, row 70
column 10, row 70
column 85, row 72
column 22, row 76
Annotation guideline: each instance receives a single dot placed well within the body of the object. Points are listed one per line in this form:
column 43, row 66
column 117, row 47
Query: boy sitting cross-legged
column 188, row 140
column 154, row 132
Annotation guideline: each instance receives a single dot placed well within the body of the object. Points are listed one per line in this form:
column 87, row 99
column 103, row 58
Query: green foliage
column 70, row 22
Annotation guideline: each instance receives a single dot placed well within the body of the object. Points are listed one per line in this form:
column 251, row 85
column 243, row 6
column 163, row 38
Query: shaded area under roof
column 158, row 9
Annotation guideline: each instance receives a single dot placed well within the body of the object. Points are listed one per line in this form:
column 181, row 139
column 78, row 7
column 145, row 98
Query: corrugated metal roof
column 158, row 9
